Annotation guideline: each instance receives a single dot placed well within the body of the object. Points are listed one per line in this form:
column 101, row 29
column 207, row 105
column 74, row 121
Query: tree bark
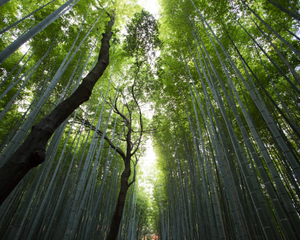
column 32, row 151
column 117, row 217
column 126, row 156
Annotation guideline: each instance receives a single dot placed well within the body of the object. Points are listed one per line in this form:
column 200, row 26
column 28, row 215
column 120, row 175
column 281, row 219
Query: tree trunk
column 117, row 217
column 32, row 152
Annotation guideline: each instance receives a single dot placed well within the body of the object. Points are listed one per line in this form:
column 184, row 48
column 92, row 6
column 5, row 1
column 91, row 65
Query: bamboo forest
column 136, row 119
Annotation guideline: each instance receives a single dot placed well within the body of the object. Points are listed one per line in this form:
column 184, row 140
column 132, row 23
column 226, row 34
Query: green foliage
column 213, row 117
column 141, row 40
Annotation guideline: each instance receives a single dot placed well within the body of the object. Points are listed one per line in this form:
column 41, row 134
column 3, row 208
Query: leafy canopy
column 142, row 39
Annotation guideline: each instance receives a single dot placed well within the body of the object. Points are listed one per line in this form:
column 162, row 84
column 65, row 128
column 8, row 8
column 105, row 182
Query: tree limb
column 92, row 127
column 141, row 121
column 134, row 171
column 32, row 152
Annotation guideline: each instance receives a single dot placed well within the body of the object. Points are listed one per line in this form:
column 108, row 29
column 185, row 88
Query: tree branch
column 32, row 152
column 92, row 127
column 116, row 110
column 141, row 121
column 134, row 171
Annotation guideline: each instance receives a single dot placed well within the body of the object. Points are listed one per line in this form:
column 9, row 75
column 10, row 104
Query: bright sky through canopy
column 150, row 5
column 148, row 161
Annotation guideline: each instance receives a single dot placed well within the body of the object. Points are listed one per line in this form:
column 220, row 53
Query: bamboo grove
column 230, row 156
column 224, row 88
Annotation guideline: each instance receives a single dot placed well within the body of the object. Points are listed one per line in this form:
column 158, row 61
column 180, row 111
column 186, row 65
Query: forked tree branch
column 134, row 171
column 99, row 132
column 141, row 121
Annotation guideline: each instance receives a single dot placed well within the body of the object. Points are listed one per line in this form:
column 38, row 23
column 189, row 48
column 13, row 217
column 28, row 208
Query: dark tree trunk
column 117, row 217
column 32, row 151
column 130, row 151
